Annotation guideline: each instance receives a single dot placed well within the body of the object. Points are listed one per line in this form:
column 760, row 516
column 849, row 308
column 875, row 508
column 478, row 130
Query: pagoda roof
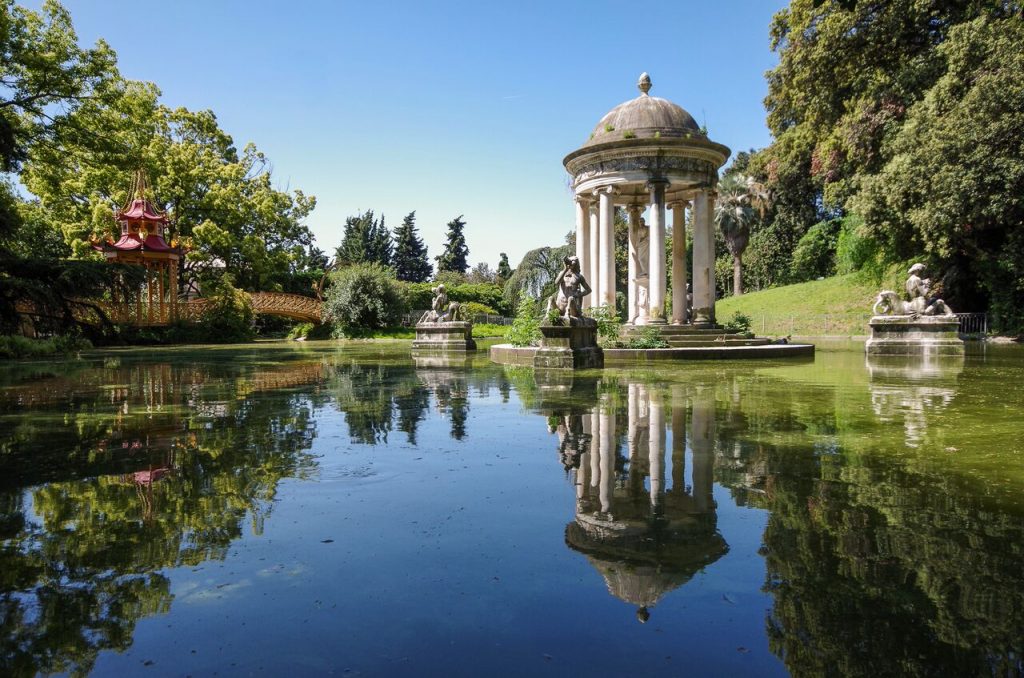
column 130, row 242
column 141, row 209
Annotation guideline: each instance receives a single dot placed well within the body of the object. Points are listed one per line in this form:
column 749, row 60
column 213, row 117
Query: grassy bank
column 481, row 331
column 839, row 306
column 16, row 346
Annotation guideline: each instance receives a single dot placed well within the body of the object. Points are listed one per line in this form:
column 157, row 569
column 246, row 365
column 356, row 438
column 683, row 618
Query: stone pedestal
column 904, row 335
column 444, row 337
column 568, row 347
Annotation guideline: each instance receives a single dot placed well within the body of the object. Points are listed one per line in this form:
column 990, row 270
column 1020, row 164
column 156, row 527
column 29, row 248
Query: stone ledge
column 506, row 354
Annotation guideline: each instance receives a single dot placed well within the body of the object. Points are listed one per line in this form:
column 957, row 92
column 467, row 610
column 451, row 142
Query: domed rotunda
column 648, row 154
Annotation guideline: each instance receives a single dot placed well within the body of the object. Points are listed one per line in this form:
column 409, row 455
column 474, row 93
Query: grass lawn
column 839, row 306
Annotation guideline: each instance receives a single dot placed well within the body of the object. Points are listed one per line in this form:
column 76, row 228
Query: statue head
column 916, row 268
column 642, row 615
column 573, row 263
column 439, row 289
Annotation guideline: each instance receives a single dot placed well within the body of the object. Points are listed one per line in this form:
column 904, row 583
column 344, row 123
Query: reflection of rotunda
column 637, row 522
column 648, row 153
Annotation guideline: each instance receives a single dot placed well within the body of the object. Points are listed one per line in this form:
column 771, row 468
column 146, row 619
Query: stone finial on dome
column 644, row 83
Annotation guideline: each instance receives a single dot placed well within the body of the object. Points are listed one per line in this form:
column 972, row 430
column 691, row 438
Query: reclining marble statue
column 444, row 327
column 441, row 310
column 571, row 286
column 921, row 324
column 919, row 291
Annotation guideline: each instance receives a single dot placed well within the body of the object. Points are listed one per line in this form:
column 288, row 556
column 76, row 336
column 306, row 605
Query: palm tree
column 740, row 200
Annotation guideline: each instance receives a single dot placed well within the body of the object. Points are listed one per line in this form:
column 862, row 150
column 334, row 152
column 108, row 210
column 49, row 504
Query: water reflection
column 130, row 470
column 637, row 521
column 912, row 390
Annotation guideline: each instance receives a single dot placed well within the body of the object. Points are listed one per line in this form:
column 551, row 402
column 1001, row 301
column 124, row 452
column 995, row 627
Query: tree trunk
column 737, row 275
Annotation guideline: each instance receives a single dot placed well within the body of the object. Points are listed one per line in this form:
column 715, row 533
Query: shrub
column 608, row 323
column 525, row 330
column 472, row 308
column 739, row 322
column 363, row 297
column 855, row 249
column 647, row 337
column 418, row 296
column 17, row 346
column 815, row 254
column 230, row 317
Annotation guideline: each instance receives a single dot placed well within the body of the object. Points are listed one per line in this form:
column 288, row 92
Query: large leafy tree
column 456, row 253
column 45, row 80
column 221, row 200
column 953, row 187
column 410, row 258
column 869, row 98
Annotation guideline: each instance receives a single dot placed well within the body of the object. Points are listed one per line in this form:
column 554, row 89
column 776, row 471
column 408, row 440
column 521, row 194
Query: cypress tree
column 410, row 254
column 366, row 240
column 504, row 270
column 454, row 257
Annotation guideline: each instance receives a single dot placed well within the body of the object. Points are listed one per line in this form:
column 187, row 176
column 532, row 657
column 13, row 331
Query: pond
column 340, row 509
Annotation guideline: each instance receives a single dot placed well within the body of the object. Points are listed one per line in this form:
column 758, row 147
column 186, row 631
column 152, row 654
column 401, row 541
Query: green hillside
column 837, row 306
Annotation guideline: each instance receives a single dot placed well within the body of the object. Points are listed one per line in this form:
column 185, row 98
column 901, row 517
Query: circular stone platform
column 507, row 354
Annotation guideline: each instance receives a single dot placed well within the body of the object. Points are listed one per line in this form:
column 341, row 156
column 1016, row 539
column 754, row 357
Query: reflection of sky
column 422, row 559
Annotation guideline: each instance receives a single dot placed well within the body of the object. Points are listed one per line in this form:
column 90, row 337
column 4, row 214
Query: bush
column 418, row 296
column 855, row 249
column 309, row 331
column 17, row 346
column 525, row 330
column 815, row 254
column 739, row 322
column 647, row 337
column 472, row 308
column 608, row 323
column 363, row 297
column 230, row 317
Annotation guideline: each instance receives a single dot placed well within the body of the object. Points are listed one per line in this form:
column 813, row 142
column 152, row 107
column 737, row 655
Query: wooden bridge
column 145, row 314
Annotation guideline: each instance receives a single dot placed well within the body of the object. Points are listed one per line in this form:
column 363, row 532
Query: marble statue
column 571, row 287
column 642, row 261
column 441, row 310
column 921, row 302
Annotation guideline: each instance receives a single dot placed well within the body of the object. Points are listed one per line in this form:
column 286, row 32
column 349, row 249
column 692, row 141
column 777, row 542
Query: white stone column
column 631, row 283
column 656, row 449
column 711, row 248
column 606, row 263
column 583, row 236
column 702, row 429
column 656, row 269
column 594, row 257
column 679, row 314
column 703, row 261
column 607, row 448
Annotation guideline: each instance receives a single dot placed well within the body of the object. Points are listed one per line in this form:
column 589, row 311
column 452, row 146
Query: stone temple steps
column 687, row 336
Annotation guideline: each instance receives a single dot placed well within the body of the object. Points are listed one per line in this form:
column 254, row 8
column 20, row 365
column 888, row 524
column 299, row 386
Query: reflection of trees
column 161, row 469
column 882, row 555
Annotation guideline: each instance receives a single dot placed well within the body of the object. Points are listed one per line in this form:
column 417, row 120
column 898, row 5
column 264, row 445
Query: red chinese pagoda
column 142, row 243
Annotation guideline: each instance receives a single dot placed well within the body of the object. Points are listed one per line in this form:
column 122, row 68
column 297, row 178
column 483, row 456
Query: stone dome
column 643, row 118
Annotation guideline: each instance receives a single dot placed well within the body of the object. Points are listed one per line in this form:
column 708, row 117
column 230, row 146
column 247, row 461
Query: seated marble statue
column 441, row 310
column 571, row 287
column 919, row 292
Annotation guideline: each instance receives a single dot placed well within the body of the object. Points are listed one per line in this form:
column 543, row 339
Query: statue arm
column 584, row 287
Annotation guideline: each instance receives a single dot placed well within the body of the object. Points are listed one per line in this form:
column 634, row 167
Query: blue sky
column 445, row 108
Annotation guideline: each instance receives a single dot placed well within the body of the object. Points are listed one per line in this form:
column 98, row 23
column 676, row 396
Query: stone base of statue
column 444, row 337
column 905, row 335
column 569, row 347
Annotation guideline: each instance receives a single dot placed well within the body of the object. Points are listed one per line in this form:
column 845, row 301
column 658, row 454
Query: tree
column 410, row 258
column 482, row 273
column 504, row 270
column 952, row 186
column 734, row 214
column 363, row 297
column 221, row 201
column 454, row 257
column 45, row 79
